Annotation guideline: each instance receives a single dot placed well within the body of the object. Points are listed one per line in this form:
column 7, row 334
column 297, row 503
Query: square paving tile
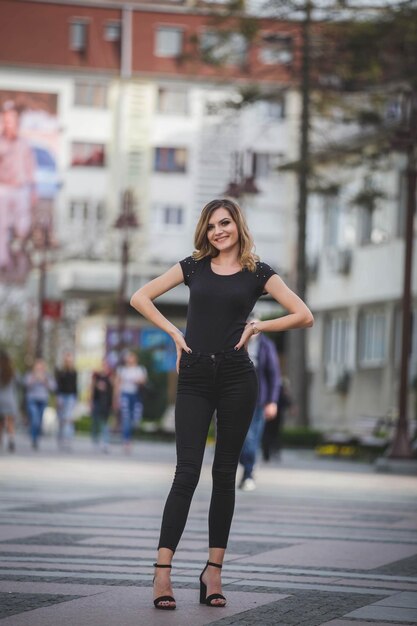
column 385, row 613
column 341, row 554
column 346, row 622
column 406, row 600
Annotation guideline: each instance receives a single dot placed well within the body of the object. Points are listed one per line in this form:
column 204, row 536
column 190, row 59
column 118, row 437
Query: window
column 92, row 95
column 167, row 216
column 338, row 342
column 100, row 211
column 168, row 41
column 170, row 160
column 78, row 209
column 82, row 210
column 227, row 48
column 85, row 227
column 276, row 49
column 338, row 334
column 112, row 30
column 78, row 35
column 332, row 219
column 87, row 154
column 265, row 165
column 172, row 100
column 273, row 109
column 372, row 339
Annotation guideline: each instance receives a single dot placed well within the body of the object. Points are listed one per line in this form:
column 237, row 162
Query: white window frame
column 162, row 50
column 78, row 34
column 338, row 343
column 270, row 162
column 112, row 31
column 372, row 339
column 163, row 210
column 90, row 87
column 158, row 170
column 273, row 52
column 228, row 50
column 85, row 146
column 166, row 92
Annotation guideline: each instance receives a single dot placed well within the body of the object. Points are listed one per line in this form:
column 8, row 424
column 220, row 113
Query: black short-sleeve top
column 219, row 305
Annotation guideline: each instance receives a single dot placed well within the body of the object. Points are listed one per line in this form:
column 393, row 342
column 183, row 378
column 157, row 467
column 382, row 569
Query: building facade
column 356, row 257
column 146, row 98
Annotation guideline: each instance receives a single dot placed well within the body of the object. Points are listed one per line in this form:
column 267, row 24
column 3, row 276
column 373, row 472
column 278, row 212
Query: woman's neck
column 227, row 258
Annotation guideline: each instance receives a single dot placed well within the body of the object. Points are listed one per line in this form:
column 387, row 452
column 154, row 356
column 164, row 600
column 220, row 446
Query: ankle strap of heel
column 214, row 564
column 157, row 565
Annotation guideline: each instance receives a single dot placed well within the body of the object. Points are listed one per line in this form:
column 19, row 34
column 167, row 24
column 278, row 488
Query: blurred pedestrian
column 39, row 384
column 264, row 356
column 66, row 400
column 215, row 373
column 130, row 378
column 272, row 437
column 101, row 396
column 8, row 400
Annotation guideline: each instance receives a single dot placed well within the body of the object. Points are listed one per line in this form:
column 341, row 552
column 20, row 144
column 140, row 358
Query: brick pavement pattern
column 319, row 543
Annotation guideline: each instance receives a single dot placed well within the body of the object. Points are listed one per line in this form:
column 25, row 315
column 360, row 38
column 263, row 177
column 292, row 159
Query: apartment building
column 138, row 108
column 356, row 257
column 144, row 96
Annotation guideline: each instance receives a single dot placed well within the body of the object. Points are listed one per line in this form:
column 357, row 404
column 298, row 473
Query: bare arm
column 142, row 301
column 299, row 315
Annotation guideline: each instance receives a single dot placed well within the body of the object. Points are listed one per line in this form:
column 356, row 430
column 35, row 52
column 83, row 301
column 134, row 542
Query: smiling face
column 222, row 231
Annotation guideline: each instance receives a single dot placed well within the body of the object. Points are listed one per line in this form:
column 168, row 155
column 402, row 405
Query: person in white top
column 130, row 378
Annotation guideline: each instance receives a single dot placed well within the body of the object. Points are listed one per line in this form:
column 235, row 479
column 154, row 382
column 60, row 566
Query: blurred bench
column 370, row 432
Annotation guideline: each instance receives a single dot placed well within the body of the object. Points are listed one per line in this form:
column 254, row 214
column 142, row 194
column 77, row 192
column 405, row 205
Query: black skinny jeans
column 225, row 382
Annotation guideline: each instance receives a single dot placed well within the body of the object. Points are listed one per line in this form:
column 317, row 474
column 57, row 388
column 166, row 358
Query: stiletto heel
column 204, row 599
column 163, row 598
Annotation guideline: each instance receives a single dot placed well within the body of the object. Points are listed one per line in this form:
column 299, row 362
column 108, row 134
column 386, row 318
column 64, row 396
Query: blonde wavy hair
column 247, row 258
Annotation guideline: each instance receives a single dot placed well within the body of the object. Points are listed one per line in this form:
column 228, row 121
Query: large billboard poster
column 29, row 178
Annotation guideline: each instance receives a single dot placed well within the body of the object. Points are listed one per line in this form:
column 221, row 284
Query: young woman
column 130, row 379
column 225, row 279
column 39, row 384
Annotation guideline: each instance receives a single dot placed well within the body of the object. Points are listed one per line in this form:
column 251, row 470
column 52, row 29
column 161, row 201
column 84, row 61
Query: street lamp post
column 42, row 244
column 406, row 140
column 126, row 222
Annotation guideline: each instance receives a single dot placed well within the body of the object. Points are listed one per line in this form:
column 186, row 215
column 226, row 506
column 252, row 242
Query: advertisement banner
column 29, row 179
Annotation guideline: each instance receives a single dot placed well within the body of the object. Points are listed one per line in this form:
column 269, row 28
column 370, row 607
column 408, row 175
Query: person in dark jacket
column 101, row 404
column 66, row 389
column 272, row 436
column 264, row 355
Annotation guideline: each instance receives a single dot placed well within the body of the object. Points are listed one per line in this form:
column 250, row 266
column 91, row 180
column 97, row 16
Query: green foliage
column 249, row 28
column 367, row 198
column 377, row 51
column 301, row 437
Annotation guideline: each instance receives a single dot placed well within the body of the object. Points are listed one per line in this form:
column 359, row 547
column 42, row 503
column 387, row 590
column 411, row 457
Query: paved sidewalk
column 318, row 543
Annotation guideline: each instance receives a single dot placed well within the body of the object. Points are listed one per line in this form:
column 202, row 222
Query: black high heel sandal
column 163, row 598
column 204, row 599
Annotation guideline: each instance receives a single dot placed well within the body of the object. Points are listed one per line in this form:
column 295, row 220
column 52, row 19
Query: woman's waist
column 215, row 355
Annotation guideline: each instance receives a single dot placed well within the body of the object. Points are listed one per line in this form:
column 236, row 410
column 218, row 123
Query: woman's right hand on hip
column 180, row 346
